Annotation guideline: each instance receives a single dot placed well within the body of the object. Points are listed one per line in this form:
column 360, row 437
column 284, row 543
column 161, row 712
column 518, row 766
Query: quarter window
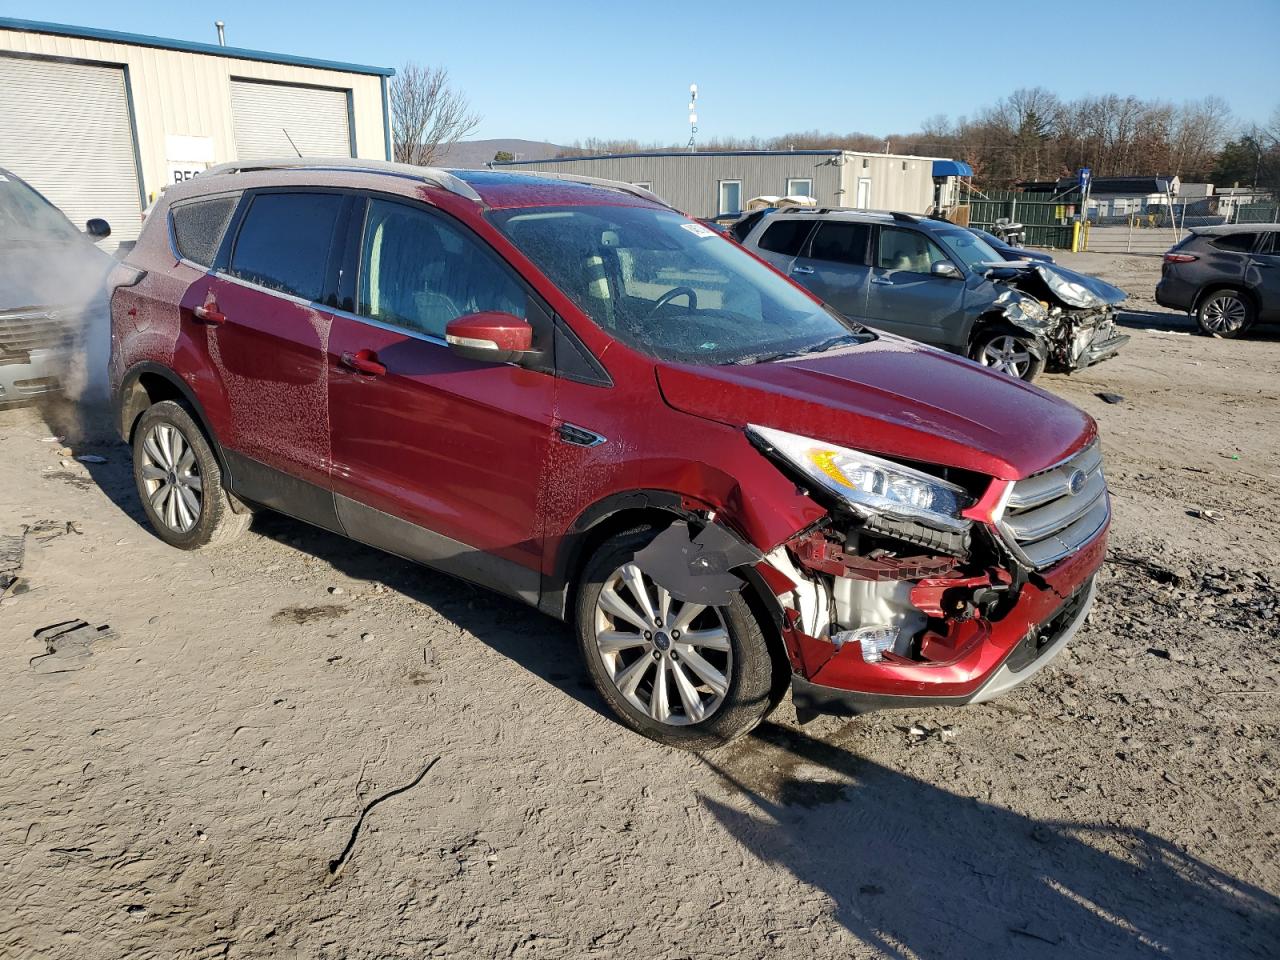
column 284, row 242
column 785, row 236
column 1235, row 242
column 800, row 187
column 907, row 250
column 198, row 228
column 418, row 271
column 841, row 242
column 730, row 196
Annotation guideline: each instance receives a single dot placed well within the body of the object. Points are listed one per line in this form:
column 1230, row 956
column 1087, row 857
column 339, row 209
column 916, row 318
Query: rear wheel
column 1002, row 349
column 683, row 674
column 180, row 482
column 1225, row 313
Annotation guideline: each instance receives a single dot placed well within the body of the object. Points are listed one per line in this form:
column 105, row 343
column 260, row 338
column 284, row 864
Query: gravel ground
column 298, row 747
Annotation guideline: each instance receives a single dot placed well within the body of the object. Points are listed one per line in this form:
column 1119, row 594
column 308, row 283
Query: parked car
column 578, row 397
column 941, row 284
column 51, row 274
column 1008, row 252
column 1228, row 276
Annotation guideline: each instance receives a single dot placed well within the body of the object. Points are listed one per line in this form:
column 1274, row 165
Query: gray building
column 720, row 182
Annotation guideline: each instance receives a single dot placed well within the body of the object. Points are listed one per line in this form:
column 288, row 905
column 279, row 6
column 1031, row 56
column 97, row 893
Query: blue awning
column 951, row 168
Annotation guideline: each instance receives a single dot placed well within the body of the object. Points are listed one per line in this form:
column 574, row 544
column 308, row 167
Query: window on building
column 198, row 227
column 730, row 197
column 284, row 242
column 1235, row 242
column 907, row 250
column 418, row 271
column 786, row 236
column 800, row 187
column 841, row 242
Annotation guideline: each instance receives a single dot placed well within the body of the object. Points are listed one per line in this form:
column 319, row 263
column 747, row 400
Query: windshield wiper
column 823, row 347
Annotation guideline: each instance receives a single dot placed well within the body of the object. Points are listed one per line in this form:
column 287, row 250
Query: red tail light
column 1179, row 258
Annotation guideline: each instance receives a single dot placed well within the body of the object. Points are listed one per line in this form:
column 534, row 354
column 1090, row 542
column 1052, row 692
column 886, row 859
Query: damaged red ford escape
column 568, row 392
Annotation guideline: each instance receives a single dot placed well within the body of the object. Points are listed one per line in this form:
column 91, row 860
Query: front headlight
column 1024, row 309
column 869, row 484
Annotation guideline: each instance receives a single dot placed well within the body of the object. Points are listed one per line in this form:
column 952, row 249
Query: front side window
column 419, row 271
column 671, row 287
column 800, row 187
column 198, row 227
column 908, row 250
column 841, row 242
column 730, row 196
column 1235, row 242
column 785, row 237
column 969, row 248
column 284, row 242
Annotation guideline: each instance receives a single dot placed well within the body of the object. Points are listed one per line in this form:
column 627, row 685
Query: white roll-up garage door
column 64, row 128
column 268, row 115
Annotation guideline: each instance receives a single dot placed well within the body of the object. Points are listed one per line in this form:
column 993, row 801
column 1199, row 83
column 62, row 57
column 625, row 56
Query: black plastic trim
column 260, row 484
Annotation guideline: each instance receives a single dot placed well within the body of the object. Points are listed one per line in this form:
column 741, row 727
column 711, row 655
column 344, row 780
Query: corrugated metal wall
column 690, row 182
column 184, row 94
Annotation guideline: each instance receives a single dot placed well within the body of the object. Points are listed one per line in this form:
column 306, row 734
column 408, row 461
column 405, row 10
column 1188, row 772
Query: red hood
column 892, row 397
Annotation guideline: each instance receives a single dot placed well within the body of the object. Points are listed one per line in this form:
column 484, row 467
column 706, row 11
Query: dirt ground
column 183, row 775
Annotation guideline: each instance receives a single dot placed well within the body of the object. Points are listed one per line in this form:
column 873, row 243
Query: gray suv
column 1228, row 276
column 939, row 283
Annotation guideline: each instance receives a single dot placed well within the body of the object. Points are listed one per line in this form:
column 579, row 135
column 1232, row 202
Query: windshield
column 26, row 217
column 671, row 287
column 968, row 247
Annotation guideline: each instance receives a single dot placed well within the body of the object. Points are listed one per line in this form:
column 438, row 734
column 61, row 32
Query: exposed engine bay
column 1076, row 324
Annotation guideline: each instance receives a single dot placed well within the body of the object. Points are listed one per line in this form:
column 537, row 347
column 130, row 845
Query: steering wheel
column 671, row 295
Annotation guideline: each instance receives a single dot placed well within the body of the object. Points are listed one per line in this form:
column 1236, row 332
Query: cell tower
column 693, row 117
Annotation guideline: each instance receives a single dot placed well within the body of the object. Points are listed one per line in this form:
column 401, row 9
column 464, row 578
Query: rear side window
column 198, row 227
column 785, row 236
column 284, row 242
column 841, row 242
column 1237, row 242
column 744, row 226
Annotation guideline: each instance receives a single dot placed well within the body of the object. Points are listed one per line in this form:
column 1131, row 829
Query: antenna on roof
column 291, row 143
column 693, row 116
column 222, row 37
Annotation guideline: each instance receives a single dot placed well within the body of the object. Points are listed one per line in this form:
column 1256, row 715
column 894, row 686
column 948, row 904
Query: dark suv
column 933, row 281
column 1228, row 276
column 568, row 392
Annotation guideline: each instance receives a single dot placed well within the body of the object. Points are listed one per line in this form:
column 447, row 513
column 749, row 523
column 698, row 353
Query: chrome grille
column 35, row 330
column 1046, row 520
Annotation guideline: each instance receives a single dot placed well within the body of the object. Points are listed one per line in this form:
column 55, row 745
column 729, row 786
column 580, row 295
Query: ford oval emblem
column 1076, row 483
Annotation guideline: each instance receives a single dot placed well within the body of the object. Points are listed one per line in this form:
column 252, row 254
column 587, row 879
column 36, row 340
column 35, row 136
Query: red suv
column 566, row 391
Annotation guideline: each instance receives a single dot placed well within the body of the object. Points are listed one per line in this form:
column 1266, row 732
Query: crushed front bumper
column 1000, row 655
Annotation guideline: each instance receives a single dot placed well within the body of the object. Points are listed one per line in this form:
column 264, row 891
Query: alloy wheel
column 171, row 477
column 1007, row 355
column 1225, row 314
column 670, row 659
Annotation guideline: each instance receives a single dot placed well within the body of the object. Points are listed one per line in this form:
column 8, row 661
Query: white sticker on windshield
column 698, row 230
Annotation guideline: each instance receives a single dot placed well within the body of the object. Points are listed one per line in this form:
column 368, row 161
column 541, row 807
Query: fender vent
column 579, row 436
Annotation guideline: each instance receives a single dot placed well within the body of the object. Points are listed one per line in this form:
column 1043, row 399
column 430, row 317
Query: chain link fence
column 1151, row 225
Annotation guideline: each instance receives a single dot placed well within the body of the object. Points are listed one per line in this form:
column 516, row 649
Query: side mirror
column 944, row 269
column 492, row 336
column 98, row 228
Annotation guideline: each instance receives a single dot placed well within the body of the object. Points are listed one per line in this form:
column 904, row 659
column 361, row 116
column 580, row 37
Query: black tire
column 216, row 522
column 994, row 336
column 747, row 699
column 1225, row 313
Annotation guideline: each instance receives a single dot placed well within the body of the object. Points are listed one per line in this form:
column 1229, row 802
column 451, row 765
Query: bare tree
column 427, row 114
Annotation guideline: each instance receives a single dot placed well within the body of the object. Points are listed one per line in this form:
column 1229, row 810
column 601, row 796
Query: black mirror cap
column 98, row 228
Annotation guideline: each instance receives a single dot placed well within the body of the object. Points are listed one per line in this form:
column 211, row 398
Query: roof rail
column 905, row 217
column 429, row 175
column 619, row 185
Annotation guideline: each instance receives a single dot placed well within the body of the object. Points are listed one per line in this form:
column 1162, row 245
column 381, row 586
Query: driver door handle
column 364, row 361
column 209, row 313
column 802, row 269
column 882, row 281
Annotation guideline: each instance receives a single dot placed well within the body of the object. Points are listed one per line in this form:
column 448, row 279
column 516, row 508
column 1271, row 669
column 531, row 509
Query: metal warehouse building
column 720, row 182
column 100, row 121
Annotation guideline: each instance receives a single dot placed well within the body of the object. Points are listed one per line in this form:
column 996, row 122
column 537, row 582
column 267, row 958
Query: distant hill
column 473, row 154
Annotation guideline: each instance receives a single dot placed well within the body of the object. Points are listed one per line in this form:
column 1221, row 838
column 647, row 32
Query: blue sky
column 564, row 71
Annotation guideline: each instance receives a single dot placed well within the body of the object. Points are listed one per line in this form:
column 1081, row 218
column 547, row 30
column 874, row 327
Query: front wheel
column 1224, row 313
column 1010, row 353
column 683, row 674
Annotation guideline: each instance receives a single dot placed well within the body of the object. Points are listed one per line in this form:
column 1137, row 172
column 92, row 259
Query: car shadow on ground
column 916, row 871
column 1166, row 322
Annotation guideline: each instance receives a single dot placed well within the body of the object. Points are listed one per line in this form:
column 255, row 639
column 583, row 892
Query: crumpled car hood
column 895, row 398
column 1095, row 292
